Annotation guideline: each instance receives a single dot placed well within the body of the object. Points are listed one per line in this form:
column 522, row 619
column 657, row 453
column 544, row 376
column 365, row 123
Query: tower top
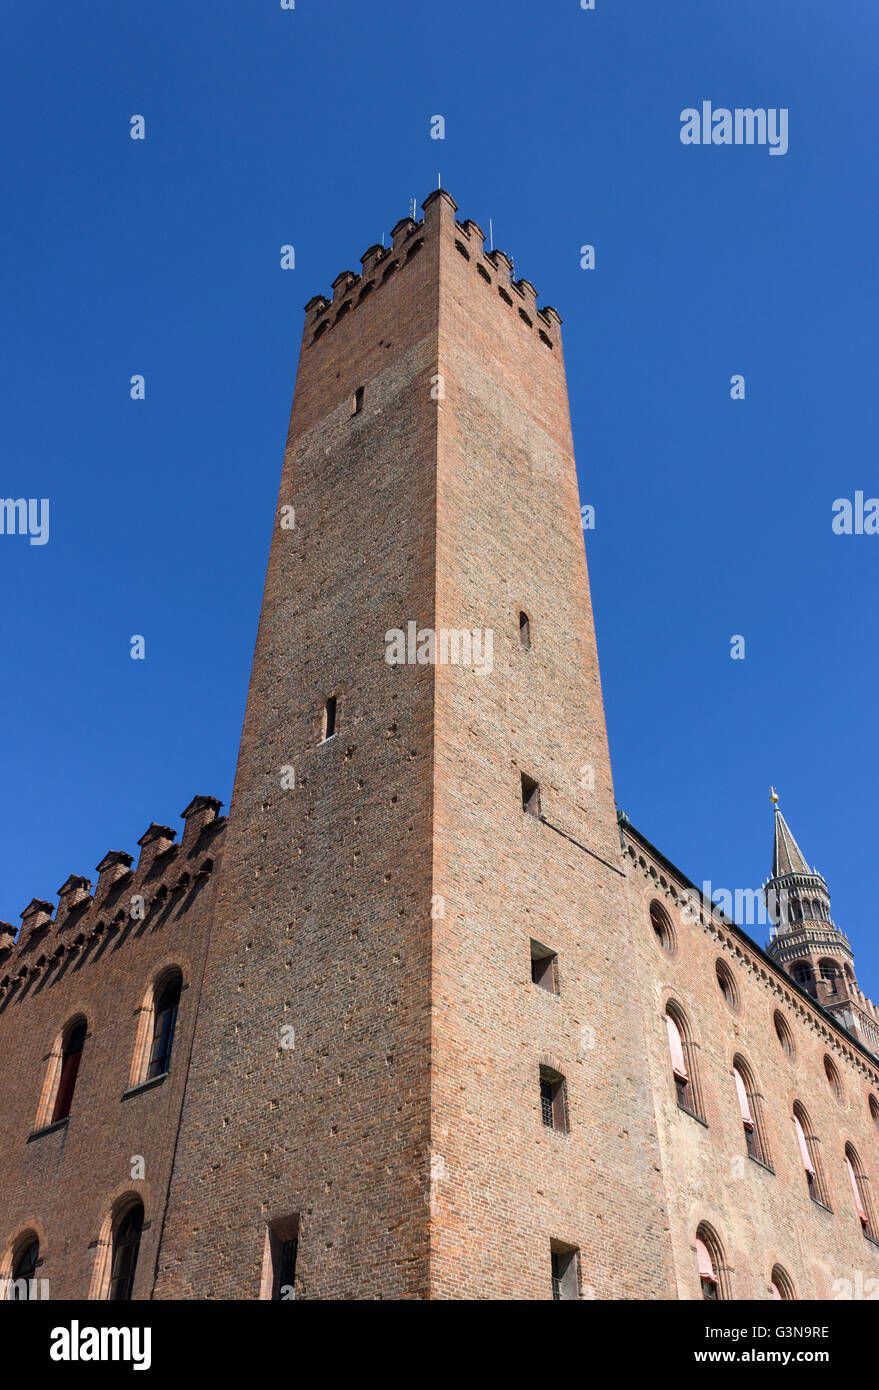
column 787, row 857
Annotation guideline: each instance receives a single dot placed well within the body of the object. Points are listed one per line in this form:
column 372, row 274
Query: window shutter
column 856, row 1189
column 804, row 1148
column 744, row 1106
column 676, row 1048
column 703, row 1261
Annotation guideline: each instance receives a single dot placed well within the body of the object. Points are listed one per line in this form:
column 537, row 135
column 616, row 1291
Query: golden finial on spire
column 773, row 796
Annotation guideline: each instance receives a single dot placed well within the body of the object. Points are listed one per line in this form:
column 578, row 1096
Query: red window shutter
column 703, row 1261
column 744, row 1105
column 676, row 1048
column 804, row 1148
column 856, row 1189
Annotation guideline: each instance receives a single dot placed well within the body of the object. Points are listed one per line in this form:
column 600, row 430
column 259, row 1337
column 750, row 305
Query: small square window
column 544, row 968
column 530, row 796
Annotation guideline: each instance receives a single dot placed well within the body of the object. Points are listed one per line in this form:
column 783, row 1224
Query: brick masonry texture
column 373, row 897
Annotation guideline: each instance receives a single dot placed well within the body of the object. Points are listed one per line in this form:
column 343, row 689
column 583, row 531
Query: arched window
column 783, row 1033
column 166, row 1005
column 726, row 984
column 781, row 1284
column 662, row 927
column 873, row 1105
column 126, row 1244
column 802, row 973
column 809, row 1154
column 860, row 1192
column 710, row 1264
column 525, row 630
column 71, row 1056
column 750, row 1111
column 833, row 1080
column 24, row 1269
column 682, row 1052
column 830, row 973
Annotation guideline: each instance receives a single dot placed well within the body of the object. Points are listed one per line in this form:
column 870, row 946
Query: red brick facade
column 365, row 1059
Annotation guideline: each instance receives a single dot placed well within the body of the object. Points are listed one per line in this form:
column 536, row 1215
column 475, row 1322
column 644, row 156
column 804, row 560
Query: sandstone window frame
column 142, row 1057
column 106, row 1268
column 23, row 1258
column 52, row 1099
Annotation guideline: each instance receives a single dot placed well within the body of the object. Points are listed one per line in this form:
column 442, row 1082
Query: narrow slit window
column 525, row 630
column 565, row 1273
column 357, row 400
column 330, row 717
column 553, row 1101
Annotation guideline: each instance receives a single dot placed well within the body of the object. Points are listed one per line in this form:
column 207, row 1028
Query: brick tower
column 418, row 1053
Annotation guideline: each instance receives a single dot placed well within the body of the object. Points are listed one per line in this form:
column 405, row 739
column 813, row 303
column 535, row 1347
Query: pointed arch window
column 750, row 1112
column 126, row 1247
column 710, row 1265
column 781, row 1285
column 809, row 1154
column 682, row 1053
column 860, row 1192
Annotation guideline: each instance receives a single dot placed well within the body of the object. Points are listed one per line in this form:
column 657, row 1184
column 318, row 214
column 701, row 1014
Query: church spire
column 806, row 941
column 787, row 857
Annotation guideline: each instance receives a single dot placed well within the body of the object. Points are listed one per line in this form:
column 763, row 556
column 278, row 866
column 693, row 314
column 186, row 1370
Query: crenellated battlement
column 166, row 872
column 378, row 263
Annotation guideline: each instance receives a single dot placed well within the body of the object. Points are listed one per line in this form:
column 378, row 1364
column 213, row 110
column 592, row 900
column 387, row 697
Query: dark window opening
column 553, row 1107
column 662, row 928
column 545, row 339
column 524, row 317
column 166, row 1008
column 504, row 296
column 525, row 630
column 367, row 289
column 484, row 273
column 71, row 1058
column 330, row 717
column 414, row 248
column 357, row 402
column 544, row 971
column 565, row 1275
column 530, row 796
column 126, row 1245
column 283, row 1247
column 24, row 1269
column 342, row 312
column 459, row 246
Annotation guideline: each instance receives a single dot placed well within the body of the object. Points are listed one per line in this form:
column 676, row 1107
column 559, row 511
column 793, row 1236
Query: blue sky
column 311, row 127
